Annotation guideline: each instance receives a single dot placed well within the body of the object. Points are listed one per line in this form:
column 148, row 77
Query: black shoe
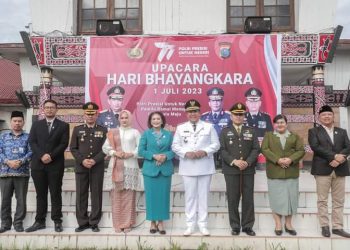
column 36, row 226
column 95, row 228
column 341, row 233
column 4, row 229
column 249, row 231
column 18, row 228
column 58, row 227
column 82, row 228
column 325, row 231
column 278, row 232
column 290, row 231
column 235, row 231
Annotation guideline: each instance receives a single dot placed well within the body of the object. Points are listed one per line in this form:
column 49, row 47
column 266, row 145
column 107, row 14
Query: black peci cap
column 325, row 108
column 17, row 114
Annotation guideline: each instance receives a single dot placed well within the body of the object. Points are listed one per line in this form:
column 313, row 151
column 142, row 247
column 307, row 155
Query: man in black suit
column 331, row 147
column 48, row 139
column 239, row 151
column 86, row 147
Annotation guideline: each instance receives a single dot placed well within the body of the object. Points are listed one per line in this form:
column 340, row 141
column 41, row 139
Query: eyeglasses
column 50, row 107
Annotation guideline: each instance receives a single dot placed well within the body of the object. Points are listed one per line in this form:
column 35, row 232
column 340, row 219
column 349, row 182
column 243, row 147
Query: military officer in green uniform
column 239, row 151
column 261, row 121
column 86, row 147
column 109, row 117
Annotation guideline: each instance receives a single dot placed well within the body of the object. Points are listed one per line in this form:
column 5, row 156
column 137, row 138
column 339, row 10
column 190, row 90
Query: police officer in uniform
column 86, row 147
column 239, row 150
column 261, row 121
column 109, row 117
column 217, row 116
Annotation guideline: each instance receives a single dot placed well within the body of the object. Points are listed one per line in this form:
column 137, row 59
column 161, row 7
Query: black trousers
column 47, row 180
column 8, row 185
column 94, row 180
column 233, row 199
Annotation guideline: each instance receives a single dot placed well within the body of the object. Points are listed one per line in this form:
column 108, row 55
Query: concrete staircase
column 305, row 222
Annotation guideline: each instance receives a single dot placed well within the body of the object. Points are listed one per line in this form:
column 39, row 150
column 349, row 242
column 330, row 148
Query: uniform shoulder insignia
column 227, row 112
column 104, row 111
column 205, row 113
column 81, row 125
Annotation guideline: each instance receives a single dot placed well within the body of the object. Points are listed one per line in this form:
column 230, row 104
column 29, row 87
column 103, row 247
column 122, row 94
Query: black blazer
column 53, row 144
column 244, row 146
column 325, row 150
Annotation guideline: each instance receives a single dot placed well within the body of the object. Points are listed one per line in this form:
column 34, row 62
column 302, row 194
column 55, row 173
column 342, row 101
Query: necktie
column 215, row 116
column 116, row 116
column 194, row 127
column 49, row 126
column 239, row 130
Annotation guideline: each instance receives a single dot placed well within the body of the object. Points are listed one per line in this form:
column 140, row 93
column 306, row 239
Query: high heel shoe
column 153, row 230
column 290, row 231
column 278, row 232
column 162, row 231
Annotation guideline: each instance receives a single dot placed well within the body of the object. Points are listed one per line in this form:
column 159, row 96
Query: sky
column 15, row 15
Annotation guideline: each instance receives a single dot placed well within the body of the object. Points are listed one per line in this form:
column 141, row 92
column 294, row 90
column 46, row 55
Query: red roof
column 10, row 81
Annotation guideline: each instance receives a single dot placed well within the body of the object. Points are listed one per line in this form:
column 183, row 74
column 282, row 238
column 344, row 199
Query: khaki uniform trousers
column 336, row 184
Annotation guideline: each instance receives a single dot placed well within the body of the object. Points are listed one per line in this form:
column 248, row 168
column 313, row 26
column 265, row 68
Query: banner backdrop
column 160, row 73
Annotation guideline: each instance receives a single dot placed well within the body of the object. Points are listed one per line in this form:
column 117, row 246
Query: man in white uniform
column 195, row 142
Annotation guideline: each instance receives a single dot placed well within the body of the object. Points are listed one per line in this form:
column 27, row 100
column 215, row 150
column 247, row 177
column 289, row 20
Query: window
column 129, row 11
column 281, row 11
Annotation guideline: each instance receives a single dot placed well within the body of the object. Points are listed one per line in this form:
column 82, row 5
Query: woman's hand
column 160, row 159
column 119, row 154
column 128, row 155
column 284, row 162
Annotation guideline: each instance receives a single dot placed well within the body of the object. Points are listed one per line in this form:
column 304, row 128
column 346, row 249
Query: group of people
column 195, row 143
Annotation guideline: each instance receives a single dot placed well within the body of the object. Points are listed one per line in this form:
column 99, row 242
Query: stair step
column 140, row 237
column 217, row 218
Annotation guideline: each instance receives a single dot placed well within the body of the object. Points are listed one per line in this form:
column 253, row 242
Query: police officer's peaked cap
column 17, row 114
column 238, row 108
column 116, row 90
column 215, row 93
column 253, row 94
column 325, row 108
column 90, row 108
column 192, row 105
